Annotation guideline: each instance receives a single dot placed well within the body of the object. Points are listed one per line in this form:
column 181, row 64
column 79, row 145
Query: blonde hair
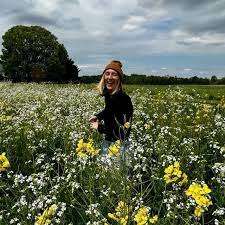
column 101, row 84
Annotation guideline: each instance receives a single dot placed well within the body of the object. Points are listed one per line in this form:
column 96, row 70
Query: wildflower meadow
column 52, row 170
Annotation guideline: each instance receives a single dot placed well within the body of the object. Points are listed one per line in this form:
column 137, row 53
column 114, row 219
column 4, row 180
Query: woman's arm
column 101, row 128
column 100, row 115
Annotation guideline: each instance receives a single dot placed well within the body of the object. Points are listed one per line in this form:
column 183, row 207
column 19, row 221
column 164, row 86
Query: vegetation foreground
column 52, row 172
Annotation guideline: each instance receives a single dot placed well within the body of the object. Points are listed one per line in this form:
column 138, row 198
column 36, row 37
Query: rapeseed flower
column 197, row 190
column 86, row 149
column 198, row 211
column 200, row 194
column 46, row 216
column 121, row 213
column 4, row 162
column 173, row 174
column 142, row 217
column 114, row 149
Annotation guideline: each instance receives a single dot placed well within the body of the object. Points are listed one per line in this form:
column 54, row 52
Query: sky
column 153, row 37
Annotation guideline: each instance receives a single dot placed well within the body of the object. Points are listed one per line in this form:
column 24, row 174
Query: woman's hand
column 93, row 119
column 94, row 122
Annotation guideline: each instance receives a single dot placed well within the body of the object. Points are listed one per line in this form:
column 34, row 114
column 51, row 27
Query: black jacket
column 118, row 110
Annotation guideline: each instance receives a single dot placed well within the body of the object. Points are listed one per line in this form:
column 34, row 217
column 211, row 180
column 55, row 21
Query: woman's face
column 111, row 79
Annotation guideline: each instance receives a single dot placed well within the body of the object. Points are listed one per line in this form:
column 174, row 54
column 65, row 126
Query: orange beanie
column 115, row 65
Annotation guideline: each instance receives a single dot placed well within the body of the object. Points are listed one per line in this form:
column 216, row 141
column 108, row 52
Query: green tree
column 213, row 79
column 29, row 47
column 72, row 70
column 1, row 72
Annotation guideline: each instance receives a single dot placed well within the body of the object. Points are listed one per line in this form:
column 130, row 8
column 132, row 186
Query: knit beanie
column 115, row 65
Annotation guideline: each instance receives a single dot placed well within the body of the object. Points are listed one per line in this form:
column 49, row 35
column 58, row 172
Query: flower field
column 52, row 170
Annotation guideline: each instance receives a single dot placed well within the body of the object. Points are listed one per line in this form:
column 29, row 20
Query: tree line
column 158, row 80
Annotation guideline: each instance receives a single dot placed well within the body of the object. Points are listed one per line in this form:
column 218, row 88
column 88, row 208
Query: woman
column 115, row 119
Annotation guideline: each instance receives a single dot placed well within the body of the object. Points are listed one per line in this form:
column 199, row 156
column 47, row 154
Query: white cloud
column 136, row 19
column 95, row 66
column 45, row 7
column 133, row 22
column 206, row 40
column 129, row 27
column 98, row 30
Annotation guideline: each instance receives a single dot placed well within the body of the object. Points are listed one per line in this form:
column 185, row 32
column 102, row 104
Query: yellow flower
column 193, row 189
column 205, row 189
column 141, row 218
column 202, row 200
column 84, row 149
column 46, row 216
column 200, row 194
column 127, row 125
column 82, row 154
column 4, row 162
column 51, row 210
column 173, row 174
column 121, row 213
column 41, row 220
column 184, row 179
column 114, row 149
column 123, row 221
column 176, row 164
column 177, row 172
column 112, row 216
column 198, row 211
column 169, row 169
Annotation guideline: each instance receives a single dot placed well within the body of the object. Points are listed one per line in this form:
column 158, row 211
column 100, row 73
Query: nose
column 110, row 76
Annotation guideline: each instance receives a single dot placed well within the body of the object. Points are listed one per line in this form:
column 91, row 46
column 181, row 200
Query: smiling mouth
column 109, row 82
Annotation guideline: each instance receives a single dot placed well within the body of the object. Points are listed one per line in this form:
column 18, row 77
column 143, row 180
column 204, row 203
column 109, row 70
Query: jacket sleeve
column 101, row 128
column 129, row 110
column 100, row 115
